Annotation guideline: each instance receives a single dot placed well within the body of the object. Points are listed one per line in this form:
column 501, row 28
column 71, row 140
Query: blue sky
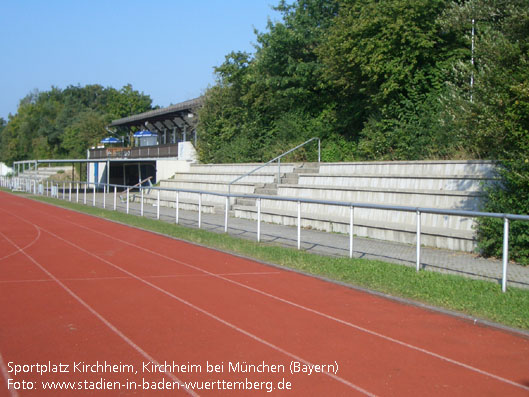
column 164, row 48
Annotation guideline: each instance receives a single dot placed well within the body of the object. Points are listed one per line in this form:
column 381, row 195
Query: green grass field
column 479, row 299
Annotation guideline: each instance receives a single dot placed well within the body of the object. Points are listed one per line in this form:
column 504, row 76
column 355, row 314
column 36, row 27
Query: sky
column 165, row 48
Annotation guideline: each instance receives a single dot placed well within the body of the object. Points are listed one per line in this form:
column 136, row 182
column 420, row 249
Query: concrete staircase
column 447, row 185
column 216, row 178
column 43, row 173
column 271, row 189
column 433, row 184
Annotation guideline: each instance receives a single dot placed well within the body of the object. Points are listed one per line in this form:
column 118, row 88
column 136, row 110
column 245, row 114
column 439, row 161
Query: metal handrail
column 30, row 185
column 426, row 210
column 278, row 158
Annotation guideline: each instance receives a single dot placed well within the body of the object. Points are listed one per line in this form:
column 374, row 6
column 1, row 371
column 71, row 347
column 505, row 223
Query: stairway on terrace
column 43, row 173
column 442, row 185
column 430, row 184
column 215, row 178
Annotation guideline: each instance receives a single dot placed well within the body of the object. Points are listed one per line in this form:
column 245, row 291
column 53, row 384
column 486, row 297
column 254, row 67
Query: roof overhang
column 174, row 116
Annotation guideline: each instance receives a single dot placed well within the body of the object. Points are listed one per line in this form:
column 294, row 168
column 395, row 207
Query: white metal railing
column 54, row 188
column 278, row 159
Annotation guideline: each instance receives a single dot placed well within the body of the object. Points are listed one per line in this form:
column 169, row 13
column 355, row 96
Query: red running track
column 124, row 310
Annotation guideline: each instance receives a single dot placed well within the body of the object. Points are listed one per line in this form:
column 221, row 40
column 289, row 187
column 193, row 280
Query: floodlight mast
column 472, row 61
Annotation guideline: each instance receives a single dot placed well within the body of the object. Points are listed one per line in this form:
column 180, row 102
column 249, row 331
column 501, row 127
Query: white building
column 4, row 169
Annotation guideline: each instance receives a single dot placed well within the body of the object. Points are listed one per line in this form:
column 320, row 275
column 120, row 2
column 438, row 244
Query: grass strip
column 476, row 298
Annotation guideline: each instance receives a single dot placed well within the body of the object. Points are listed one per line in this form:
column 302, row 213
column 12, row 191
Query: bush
column 509, row 195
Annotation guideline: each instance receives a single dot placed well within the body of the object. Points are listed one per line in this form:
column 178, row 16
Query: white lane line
column 23, row 248
column 330, row 317
column 213, row 316
column 47, row 280
column 308, row 309
column 6, row 376
column 99, row 316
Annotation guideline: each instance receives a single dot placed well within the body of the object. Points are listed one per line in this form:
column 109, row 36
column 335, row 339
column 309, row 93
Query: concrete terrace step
column 307, row 168
column 44, row 173
column 269, row 189
column 375, row 215
column 430, row 184
column 401, row 197
column 211, row 185
column 188, row 203
column 170, row 196
column 407, row 182
column 441, row 237
column 225, row 177
column 241, row 168
column 431, row 168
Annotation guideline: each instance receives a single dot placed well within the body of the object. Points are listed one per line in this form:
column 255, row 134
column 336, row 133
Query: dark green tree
column 388, row 61
column 492, row 114
column 64, row 123
column 263, row 104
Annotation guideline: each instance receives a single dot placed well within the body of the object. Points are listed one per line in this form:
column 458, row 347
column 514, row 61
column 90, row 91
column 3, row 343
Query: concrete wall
column 101, row 176
column 166, row 168
column 187, row 152
column 4, row 169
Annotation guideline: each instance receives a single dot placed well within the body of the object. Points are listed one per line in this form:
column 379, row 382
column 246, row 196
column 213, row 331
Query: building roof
column 179, row 115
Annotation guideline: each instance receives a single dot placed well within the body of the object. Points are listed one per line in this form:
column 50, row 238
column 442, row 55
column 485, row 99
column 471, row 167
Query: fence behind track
column 83, row 192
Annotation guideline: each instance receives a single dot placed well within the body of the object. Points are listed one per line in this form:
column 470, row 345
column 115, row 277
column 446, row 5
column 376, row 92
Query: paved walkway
column 334, row 244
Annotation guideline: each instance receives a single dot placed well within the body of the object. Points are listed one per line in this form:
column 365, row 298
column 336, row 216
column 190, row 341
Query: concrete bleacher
column 43, row 173
column 432, row 184
column 215, row 178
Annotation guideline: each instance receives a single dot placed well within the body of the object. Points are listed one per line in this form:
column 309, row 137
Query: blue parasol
column 110, row 139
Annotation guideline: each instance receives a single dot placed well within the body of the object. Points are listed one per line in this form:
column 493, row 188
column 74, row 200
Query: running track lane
column 75, row 288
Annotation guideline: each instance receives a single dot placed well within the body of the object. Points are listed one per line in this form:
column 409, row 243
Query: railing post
column 84, row 194
column 227, row 208
column 70, row 192
column 47, row 191
column 418, row 256
column 115, row 196
column 63, row 189
column 128, row 200
column 258, row 219
column 77, row 192
column 176, row 207
column 104, row 196
column 299, row 225
column 505, row 253
column 351, row 225
column 141, row 204
column 94, row 196
column 199, row 209
column 158, row 204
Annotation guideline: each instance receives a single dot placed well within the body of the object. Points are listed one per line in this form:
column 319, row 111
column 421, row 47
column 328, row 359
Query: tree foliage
column 384, row 79
column 493, row 114
column 264, row 103
column 510, row 196
column 64, row 123
column 376, row 79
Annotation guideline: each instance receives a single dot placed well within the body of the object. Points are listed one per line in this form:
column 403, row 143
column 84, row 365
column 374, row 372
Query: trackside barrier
column 29, row 185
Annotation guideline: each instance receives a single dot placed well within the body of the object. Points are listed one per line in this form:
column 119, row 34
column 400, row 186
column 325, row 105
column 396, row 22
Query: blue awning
column 110, row 139
column 144, row 133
